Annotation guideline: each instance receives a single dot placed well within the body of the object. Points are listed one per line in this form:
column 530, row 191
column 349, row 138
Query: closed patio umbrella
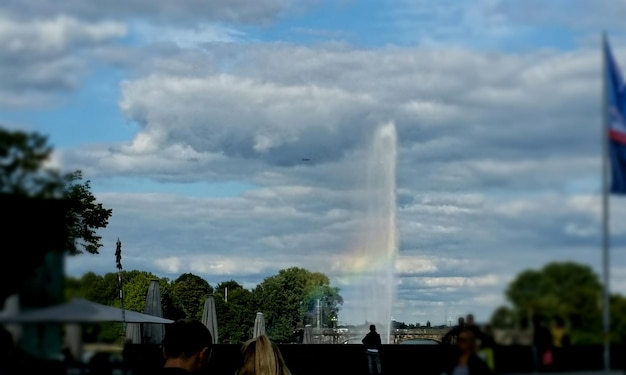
column 209, row 317
column 307, row 338
column 74, row 339
column 153, row 333
column 259, row 325
column 133, row 333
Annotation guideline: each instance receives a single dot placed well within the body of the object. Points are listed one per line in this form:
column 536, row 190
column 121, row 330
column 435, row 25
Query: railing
column 334, row 336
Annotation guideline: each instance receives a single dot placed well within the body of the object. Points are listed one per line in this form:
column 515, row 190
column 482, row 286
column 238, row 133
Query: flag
column 616, row 121
column 118, row 254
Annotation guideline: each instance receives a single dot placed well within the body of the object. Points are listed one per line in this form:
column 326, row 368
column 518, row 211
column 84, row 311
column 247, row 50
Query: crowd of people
column 475, row 354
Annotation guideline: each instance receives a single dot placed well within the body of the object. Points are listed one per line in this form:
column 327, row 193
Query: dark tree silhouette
column 42, row 209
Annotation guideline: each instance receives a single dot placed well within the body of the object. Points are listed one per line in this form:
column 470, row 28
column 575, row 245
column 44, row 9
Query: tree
column 564, row 290
column 84, row 215
column 289, row 301
column 189, row 292
column 235, row 312
column 503, row 317
column 22, row 156
column 135, row 284
column 36, row 196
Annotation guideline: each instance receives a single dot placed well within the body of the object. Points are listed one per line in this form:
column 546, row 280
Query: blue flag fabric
column 616, row 107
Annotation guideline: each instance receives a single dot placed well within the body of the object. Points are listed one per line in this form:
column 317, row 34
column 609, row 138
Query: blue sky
column 193, row 121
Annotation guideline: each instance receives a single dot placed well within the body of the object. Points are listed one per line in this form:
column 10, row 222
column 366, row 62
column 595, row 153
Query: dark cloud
column 240, row 11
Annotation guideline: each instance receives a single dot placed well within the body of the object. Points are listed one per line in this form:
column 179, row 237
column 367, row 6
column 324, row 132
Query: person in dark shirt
column 542, row 345
column 373, row 345
column 465, row 360
column 453, row 333
column 471, row 324
column 187, row 347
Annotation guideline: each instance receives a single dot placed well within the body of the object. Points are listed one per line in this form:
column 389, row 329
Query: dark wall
column 315, row 359
column 329, row 359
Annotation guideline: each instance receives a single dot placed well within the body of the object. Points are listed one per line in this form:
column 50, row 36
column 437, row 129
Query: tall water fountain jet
column 378, row 243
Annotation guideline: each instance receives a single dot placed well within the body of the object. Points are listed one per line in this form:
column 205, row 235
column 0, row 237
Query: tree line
column 566, row 291
column 288, row 301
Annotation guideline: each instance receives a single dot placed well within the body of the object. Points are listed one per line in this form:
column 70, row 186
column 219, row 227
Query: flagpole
column 605, row 211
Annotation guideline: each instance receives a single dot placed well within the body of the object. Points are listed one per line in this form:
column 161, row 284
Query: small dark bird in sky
column 306, row 159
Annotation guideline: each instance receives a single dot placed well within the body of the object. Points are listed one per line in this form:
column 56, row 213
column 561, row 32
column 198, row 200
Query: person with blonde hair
column 260, row 356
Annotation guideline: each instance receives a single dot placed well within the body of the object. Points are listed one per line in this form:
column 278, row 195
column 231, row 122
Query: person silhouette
column 373, row 346
column 542, row 345
column 465, row 359
column 453, row 333
column 187, row 347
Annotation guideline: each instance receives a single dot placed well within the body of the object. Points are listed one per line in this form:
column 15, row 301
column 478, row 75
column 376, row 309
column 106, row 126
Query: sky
column 232, row 138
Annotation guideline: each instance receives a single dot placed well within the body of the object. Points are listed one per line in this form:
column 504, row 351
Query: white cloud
column 54, row 36
column 170, row 265
column 45, row 56
column 192, row 37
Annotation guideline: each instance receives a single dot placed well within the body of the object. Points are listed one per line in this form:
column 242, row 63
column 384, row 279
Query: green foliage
column 503, row 317
column 105, row 290
column 22, row 156
column 289, row 301
column 285, row 300
column 189, row 292
column 567, row 290
column 170, row 309
column 84, row 216
column 72, row 288
column 562, row 290
column 235, row 312
column 136, row 285
column 93, row 287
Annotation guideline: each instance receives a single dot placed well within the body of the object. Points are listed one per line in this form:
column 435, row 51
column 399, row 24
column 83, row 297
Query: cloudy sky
column 232, row 138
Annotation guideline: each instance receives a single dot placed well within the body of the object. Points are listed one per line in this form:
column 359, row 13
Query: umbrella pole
column 118, row 261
